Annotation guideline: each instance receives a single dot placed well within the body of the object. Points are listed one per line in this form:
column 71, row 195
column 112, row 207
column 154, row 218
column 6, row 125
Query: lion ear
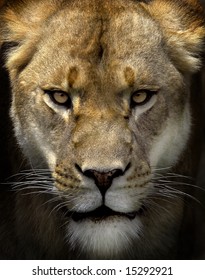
column 183, row 27
column 21, row 19
column 20, row 28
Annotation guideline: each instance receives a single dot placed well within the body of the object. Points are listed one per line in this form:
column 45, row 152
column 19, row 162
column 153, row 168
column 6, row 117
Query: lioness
column 104, row 119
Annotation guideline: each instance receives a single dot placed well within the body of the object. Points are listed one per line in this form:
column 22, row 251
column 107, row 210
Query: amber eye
column 59, row 97
column 141, row 97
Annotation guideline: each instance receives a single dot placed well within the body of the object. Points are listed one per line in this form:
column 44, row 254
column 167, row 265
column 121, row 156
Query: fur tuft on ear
column 183, row 26
column 20, row 27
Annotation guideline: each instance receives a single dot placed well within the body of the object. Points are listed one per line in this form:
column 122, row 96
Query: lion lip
column 102, row 213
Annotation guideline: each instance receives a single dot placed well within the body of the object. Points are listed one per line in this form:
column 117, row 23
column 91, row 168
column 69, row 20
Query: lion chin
column 108, row 238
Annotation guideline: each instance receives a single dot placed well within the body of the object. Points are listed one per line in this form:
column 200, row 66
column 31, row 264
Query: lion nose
column 103, row 180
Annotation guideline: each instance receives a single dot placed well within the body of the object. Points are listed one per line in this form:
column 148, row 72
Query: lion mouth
column 103, row 213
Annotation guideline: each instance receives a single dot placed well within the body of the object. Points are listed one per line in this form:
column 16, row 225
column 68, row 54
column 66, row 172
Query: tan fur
column 100, row 53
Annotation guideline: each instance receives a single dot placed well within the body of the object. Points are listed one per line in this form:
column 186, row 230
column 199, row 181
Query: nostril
column 127, row 167
column 78, row 168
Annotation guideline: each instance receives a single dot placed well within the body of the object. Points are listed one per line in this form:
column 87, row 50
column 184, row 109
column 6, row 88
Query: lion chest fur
column 101, row 110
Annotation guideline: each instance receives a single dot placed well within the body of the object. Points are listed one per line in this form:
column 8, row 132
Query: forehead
column 89, row 36
column 85, row 28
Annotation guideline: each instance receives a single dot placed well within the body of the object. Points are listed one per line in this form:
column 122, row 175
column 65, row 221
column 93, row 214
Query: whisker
column 173, row 175
column 58, row 207
column 175, row 183
column 176, row 191
column 157, row 208
column 161, row 168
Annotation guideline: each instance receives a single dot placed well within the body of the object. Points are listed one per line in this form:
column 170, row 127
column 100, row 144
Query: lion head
column 101, row 101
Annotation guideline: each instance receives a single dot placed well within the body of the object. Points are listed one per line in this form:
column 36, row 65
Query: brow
column 129, row 76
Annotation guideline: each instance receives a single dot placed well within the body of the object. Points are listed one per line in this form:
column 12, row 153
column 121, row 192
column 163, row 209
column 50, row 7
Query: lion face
column 100, row 101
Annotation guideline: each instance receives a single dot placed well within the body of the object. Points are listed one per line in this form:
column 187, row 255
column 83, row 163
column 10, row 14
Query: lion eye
column 141, row 97
column 60, row 98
